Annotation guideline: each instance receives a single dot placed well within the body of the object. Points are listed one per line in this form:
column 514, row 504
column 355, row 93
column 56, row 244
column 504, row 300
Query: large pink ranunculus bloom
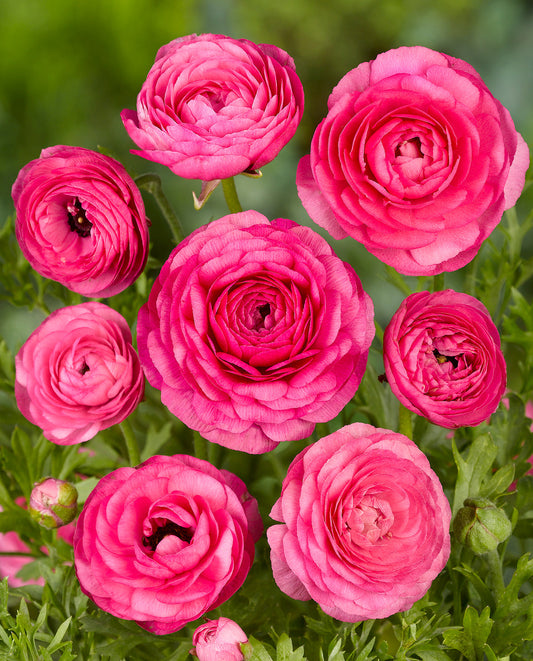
column 443, row 358
column 166, row 541
column 415, row 159
column 254, row 331
column 78, row 373
column 81, row 220
column 212, row 107
column 219, row 640
column 364, row 524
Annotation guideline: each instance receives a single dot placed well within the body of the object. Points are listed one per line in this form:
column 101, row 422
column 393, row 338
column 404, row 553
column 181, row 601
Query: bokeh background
column 67, row 69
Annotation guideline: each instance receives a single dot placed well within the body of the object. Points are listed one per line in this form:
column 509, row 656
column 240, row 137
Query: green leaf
column 284, row 651
column 499, row 482
column 471, row 639
column 474, row 469
column 4, row 595
column 55, row 643
column 258, row 651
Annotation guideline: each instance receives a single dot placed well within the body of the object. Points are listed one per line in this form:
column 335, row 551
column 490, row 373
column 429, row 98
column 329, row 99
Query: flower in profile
column 364, row 524
column 415, row 159
column 78, row 373
column 212, row 107
column 219, row 639
column 443, row 358
column 53, row 502
column 163, row 543
column 254, row 331
column 81, row 220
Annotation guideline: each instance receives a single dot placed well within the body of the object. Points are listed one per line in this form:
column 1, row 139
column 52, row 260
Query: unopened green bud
column 481, row 525
column 53, row 503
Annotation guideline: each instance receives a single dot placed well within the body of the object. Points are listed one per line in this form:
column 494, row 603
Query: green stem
column 405, row 424
column 495, row 573
column 200, row 446
column 20, row 553
column 230, row 194
column 438, row 282
column 152, row 183
column 131, row 443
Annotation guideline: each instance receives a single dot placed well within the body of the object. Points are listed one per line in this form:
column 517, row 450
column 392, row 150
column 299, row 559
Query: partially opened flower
column 415, row 159
column 78, row 373
column 81, row 220
column 166, row 541
column 364, row 524
column 443, row 358
column 254, row 331
column 11, row 544
column 212, row 107
column 219, row 640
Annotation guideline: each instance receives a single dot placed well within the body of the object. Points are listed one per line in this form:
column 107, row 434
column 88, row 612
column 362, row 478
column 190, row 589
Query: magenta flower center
column 260, row 317
column 77, row 219
column 167, row 528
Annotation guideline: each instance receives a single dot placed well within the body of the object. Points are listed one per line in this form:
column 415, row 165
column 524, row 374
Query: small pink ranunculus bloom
column 415, row 159
column 53, row 502
column 166, row 541
column 443, row 358
column 78, row 373
column 10, row 542
column 212, row 107
column 219, row 640
column 81, row 220
column 364, row 524
column 254, row 331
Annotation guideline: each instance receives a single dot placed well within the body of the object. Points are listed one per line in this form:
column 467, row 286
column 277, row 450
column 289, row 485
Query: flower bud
column 481, row 525
column 219, row 639
column 53, row 503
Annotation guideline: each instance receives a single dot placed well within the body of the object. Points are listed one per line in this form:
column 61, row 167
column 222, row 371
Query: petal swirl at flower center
column 77, row 219
column 367, row 521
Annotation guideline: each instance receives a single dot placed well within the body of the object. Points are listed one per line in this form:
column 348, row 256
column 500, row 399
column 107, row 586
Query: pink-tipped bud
column 53, row 503
column 221, row 639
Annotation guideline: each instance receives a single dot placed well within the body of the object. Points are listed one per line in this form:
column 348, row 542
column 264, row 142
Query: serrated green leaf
column 285, row 652
column 258, row 651
column 499, row 482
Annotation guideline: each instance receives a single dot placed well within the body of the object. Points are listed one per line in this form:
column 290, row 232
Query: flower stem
column 152, row 183
column 131, row 443
column 438, row 282
column 200, row 445
column 405, row 423
column 230, row 194
column 495, row 573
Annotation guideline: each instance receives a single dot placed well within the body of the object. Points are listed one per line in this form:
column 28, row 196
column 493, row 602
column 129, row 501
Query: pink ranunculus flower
column 81, row 220
column 415, row 159
column 219, row 640
column 364, row 524
column 443, row 358
column 212, row 107
column 254, row 331
column 78, row 373
column 165, row 542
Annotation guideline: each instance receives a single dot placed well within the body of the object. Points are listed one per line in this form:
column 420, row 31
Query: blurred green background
column 68, row 68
